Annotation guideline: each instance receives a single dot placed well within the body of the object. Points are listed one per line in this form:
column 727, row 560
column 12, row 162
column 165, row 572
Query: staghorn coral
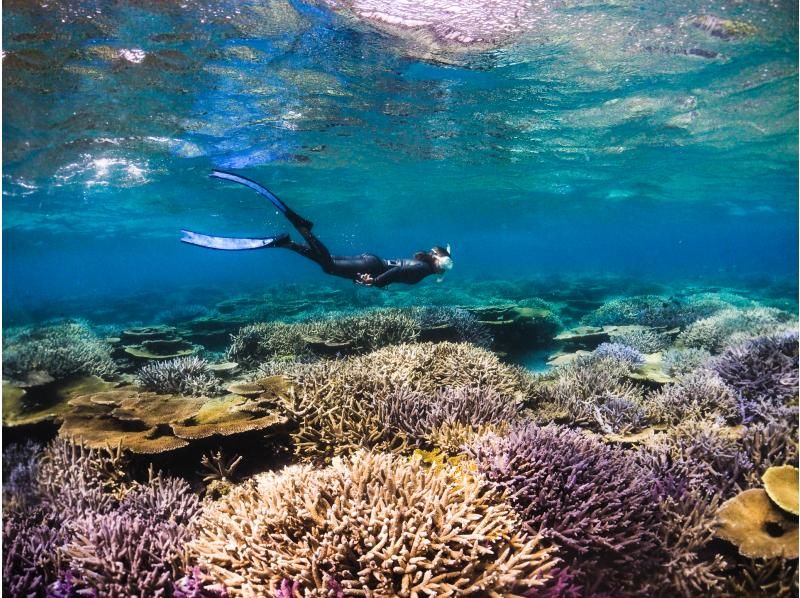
column 464, row 324
column 730, row 326
column 766, row 445
column 263, row 341
column 687, row 529
column 642, row 310
column 417, row 415
column 373, row 523
column 135, row 548
column 334, row 402
column 676, row 362
column 701, row 394
column 767, row 578
column 366, row 331
column 555, row 477
column 641, row 339
column 592, row 392
column 182, row 375
column 452, row 438
column 85, row 528
column 763, row 371
column 335, row 334
column 56, row 352
column 620, row 352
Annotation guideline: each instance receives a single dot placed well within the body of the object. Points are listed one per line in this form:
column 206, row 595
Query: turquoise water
column 611, row 138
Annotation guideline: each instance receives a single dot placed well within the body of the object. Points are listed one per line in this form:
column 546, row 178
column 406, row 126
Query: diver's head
column 441, row 259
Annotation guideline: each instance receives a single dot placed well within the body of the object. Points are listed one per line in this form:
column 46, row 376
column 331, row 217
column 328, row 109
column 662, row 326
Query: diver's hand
column 365, row 280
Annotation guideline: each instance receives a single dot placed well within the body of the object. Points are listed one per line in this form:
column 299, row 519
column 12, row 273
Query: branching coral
column 590, row 498
column 417, row 415
column 676, row 362
column 642, row 310
column 86, row 528
column 592, row 392
column 641, row 339
column 465, row 325
column 135, row 548
column 350, row 333
column 620, row 352
column 263, row 341
column 367, row 331
column 334, row 402
column 701, row 394
column 730, row 326
column 59, row 351
column 182, row 375
column 764, row 371
column 375, row 523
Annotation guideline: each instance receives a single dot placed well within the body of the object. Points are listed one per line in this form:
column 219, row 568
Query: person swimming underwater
column 365, row 269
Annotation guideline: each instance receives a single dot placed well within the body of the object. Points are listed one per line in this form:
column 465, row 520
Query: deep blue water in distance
column 592, row 145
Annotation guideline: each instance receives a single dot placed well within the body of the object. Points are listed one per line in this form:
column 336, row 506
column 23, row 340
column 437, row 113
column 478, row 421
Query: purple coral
column 82, row 527
column 764, row 371
column 620, row 352
column 181, row 375
column 417, row 414
column 591, row 499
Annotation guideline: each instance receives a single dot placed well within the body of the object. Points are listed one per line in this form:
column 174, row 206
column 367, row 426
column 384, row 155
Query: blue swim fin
column 290, row 214
column 232, row 243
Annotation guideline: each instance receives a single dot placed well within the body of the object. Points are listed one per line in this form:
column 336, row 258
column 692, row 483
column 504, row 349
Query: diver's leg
column 321, row 255
column 290, row 214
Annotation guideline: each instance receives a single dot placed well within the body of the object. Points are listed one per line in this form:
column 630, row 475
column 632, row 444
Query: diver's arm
column 406, row 273
column 387, row 277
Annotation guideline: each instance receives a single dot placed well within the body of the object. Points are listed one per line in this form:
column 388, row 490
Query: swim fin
column 233, row 243
column 290, row 214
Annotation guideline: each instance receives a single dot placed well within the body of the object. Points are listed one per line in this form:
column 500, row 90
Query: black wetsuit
column 409, row 271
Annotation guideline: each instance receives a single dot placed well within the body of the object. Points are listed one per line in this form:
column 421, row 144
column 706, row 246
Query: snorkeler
column 366, row 269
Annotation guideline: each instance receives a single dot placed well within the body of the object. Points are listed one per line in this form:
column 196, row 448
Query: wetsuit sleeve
column 387, row 277
column 407, row 273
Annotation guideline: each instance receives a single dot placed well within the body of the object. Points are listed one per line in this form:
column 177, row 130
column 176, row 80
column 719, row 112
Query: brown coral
column 144, row 422
column 759, row 529
column 781, row 484
column 335, row 402
column 374, row 524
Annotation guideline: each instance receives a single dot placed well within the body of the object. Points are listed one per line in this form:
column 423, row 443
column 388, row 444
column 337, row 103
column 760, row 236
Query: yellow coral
column 374, row 524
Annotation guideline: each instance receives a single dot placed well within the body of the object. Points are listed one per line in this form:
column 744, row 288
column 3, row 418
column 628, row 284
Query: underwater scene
column 400, row 298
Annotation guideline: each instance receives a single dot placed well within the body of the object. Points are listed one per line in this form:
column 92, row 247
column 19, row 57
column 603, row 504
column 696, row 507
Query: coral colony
column 401, row 451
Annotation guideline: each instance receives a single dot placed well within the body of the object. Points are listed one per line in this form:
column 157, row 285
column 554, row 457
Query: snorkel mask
column 443, row 259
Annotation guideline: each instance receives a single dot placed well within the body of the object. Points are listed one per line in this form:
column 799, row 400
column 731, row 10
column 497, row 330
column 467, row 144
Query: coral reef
column 731, row 326
column 701, row 394
column 182, row 375
column 593, row 392
column 40, row 355
column 764, row 372
column 334, row 402
column 676, row 362
column 373, row 523
column 620, row 352
column 554, row 477
column 84, row 528
column 417, row 415
column 642, row 310
column 464, row 325
column 641, row 339
column 147, row 423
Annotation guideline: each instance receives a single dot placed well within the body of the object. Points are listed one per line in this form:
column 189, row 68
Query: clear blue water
column 599, row 142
